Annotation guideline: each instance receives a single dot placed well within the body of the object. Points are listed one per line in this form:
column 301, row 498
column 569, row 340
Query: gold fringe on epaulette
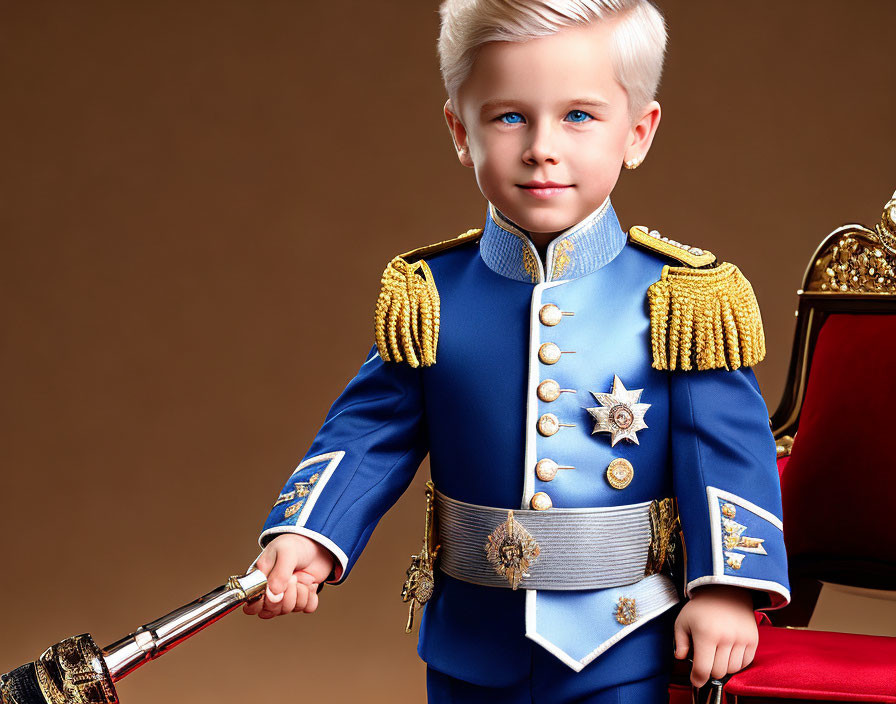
column 406, row 322
column 407, row 314
column 705, row 318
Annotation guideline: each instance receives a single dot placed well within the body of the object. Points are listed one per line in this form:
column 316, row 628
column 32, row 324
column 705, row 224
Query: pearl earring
column 633, row 163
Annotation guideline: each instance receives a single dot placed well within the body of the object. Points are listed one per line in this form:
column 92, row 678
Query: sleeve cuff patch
column 295, row 502
column 740, row 529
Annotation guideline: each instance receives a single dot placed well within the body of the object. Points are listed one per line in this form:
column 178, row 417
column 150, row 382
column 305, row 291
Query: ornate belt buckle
column 511, row 550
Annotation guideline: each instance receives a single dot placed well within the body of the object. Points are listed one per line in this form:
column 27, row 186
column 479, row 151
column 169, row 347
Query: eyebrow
column 505, row 102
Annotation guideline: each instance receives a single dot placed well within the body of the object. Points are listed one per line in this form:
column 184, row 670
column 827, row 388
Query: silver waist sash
column 561, row 548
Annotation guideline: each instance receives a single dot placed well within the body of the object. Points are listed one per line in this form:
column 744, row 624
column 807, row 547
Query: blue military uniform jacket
column 507, row 322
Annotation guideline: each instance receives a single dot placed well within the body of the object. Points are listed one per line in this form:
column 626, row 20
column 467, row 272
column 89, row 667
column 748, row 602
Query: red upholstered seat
column 840, row 484
column 819, row 665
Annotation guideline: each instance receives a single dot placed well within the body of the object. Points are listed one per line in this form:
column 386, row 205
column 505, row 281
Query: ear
column 642, row 132
column 458, row 134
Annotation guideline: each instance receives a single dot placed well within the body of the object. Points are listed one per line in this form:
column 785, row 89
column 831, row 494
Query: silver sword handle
column 156, row 638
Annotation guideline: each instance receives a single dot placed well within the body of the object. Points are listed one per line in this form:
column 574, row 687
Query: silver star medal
column 619, row 413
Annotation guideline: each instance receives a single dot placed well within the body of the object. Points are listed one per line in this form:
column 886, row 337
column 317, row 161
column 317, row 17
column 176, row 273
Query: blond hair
column 639, row 39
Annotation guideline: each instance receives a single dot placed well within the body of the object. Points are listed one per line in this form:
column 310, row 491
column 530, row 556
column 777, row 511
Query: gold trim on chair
column 856, row 259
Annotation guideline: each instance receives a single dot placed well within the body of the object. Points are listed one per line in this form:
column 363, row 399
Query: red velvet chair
column 838, row 477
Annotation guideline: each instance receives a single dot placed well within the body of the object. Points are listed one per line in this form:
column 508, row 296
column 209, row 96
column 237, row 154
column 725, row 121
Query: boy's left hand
column 719, row 621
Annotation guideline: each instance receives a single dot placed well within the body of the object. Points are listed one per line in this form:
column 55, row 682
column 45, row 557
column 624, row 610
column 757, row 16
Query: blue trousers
column 542, row 689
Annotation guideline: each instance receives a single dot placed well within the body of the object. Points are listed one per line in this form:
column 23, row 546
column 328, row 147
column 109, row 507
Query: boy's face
column 548, row 109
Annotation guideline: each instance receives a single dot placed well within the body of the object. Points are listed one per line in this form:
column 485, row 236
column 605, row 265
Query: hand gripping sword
column 77, row 671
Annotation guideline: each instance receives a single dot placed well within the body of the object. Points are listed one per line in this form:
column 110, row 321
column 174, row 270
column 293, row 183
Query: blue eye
column 579, row 115
column 510, row 114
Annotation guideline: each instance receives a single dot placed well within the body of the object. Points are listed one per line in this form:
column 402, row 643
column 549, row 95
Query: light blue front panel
column 579, row 626
column 607, row 335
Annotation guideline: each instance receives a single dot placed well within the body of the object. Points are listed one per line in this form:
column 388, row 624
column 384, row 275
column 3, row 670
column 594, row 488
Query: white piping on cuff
column 762, row 585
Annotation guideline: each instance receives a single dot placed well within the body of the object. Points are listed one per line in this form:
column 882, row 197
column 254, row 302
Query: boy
column 567, row 381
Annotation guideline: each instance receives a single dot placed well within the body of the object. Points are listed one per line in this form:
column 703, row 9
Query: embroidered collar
column 581, row 249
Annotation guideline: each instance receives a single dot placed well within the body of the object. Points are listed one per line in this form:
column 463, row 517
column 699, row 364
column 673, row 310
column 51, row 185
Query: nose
column 541, row 147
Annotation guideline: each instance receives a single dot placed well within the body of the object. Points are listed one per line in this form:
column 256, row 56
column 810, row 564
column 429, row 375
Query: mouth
column 543, row 184
column 544, row 189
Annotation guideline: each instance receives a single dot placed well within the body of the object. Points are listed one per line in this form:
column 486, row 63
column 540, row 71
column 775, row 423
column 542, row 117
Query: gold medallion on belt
column 511, row 550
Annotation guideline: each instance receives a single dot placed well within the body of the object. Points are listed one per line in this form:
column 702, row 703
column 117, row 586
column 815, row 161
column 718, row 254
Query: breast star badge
column 619, row 413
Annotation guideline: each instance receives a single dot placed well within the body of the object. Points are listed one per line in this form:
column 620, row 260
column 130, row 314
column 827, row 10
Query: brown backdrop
column 197, row 201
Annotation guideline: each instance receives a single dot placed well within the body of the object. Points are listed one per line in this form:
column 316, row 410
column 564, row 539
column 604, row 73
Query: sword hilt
column 77, row 671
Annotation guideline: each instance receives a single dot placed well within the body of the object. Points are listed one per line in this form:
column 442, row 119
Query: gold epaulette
column 653, row 240
column 703, row 315
column 704, row 319
column 406, row 322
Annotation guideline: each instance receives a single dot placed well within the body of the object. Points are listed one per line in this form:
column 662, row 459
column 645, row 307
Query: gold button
column 549, row 353
column 550, row 314
column 620, row 473
column 541, row 501
column 548, row 390
column 546, row 469
column 548, row 424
